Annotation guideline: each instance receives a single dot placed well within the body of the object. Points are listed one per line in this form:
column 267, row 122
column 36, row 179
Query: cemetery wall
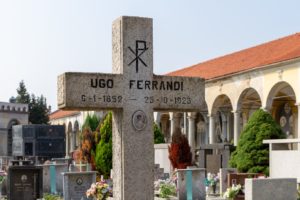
column 283, row 164
column 161, row 157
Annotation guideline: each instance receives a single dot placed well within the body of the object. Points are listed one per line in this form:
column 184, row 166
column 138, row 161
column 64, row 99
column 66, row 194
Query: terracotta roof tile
column 62, row 113
column 279, row 50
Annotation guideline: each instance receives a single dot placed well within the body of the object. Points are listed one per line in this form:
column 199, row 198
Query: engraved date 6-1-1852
column 103, row 98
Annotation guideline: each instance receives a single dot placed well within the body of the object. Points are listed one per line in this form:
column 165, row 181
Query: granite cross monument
column 132, row 92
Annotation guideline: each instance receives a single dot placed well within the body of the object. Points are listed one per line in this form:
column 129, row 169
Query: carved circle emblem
column 79, row 181
column 23, row 178
column 139, row 120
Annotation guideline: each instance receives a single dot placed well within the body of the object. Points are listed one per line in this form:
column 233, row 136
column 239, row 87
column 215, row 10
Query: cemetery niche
column 133, row 93
column 42, row 141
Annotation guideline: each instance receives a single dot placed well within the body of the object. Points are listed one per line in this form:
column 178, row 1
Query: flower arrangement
column 3, row 174
column 232, row 192
column 100, row 190
column 166, row 188
column 212, row 179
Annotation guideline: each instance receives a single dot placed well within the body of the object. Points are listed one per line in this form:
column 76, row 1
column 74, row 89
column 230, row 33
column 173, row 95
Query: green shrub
column 52, row 197
column 167, row 190
column 103, row 153
column 158, row 136
column 91, row 122
column 251, row 155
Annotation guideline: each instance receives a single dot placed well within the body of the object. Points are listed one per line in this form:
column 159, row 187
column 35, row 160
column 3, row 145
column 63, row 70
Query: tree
column 251, row 155
column 91, row 122
column 23, row 96
column 103, row 153
column 158, row 136
column 180, row 154
column 38, row 110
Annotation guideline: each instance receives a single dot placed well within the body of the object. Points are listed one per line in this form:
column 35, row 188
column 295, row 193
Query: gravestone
column 75, row 184
column 52, row 179
column 133, row 93
column 190, row 184
column 25, row 182
column 224, row 176
column 214, row 156
column 271, row 188
column 239, row 178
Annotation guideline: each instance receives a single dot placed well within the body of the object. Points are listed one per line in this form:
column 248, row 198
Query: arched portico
column 281, row 104
column 249, row 101
column 220, row 120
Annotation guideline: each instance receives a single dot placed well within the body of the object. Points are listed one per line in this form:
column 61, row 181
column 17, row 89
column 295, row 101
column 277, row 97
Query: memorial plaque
column 25, row 182
column 75, row 184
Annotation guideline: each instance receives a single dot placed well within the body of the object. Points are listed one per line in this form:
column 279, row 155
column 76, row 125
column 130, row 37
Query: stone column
column 224, row 129
column 211, row 129
column 236, row 124
column 164, row 127
column 228, row 126
column 297, row 124
column 206, row 141
column 191, row 138
column 172, row 125
column 185, row 126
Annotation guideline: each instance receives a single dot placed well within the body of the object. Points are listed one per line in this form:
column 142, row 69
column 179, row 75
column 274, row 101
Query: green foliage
column 91, row 122
column 167, row 190
column 158, row 136
column 251, row 155
column 38, row 110
column 52, row 197
column 103, row 153
column 23, row 96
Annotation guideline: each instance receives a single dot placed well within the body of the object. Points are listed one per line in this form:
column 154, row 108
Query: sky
column 40, row 39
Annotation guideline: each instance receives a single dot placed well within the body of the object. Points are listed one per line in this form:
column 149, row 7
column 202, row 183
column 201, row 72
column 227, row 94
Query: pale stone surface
column 133, row 154
column 161, row 153
column 284, row 161
column 198, row 188
column 271, row 188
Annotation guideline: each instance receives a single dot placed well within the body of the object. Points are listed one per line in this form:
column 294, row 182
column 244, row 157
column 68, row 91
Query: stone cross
column 132, row 92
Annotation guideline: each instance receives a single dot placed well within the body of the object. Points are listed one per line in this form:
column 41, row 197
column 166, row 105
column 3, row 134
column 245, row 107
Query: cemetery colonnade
column 231, row 101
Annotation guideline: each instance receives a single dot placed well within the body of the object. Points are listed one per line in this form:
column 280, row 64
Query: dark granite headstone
column 25, row 182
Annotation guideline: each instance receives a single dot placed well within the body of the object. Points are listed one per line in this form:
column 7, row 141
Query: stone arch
column 11, row 123
column 201, row 135
column 281, row 104
column 248, row 102
column 223, row 119
column 69, row 135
